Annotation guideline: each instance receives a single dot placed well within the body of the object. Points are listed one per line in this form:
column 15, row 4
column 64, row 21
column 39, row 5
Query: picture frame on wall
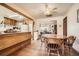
column 78, row 16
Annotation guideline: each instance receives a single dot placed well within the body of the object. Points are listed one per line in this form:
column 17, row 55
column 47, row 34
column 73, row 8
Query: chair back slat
column 54, row 43
column 71, row 39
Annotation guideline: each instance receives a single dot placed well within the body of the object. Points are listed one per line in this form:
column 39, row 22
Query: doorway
column 65, row 26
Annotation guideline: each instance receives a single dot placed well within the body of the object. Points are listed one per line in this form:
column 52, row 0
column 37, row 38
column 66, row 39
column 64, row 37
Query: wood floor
column 35, row 49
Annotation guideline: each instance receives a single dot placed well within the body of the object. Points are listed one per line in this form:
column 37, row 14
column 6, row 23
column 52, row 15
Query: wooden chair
column 42, row 41
column 69, row 43
column 71, row 39
column 54, row 46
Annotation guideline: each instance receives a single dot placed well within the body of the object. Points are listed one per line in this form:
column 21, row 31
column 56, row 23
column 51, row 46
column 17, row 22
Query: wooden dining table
column 50, row 38
column 53, row 36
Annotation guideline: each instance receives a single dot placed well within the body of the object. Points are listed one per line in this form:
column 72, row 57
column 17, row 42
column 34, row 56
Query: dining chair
column 69, row 42
column 42, row 41
column 54, row 47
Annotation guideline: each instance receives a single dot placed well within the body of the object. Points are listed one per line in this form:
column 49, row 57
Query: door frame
column 65, row 26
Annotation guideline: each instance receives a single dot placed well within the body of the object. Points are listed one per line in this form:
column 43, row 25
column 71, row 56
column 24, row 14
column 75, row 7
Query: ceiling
column 37, row 10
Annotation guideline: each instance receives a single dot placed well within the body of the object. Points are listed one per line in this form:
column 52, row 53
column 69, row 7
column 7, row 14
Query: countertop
column 13, row 33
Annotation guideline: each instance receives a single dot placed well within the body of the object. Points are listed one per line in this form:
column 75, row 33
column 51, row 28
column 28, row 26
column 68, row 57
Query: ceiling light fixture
column 48, row 10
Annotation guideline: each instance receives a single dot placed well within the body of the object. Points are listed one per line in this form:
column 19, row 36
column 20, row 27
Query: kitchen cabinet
column 9, row 21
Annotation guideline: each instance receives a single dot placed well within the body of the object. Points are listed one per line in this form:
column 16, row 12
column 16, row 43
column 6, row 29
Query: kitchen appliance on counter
column 13, row 30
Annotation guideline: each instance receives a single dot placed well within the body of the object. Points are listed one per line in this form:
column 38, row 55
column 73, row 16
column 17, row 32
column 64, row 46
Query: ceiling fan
column 50, row 11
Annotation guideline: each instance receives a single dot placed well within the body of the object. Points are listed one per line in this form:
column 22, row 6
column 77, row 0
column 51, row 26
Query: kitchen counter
column 9, row 42
column 12, row 33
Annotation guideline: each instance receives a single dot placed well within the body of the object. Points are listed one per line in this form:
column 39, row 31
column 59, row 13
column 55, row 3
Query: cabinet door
column 9, row 21
column 14, row 22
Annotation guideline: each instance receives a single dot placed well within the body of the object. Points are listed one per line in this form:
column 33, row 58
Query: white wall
column 60, row 26
column 1, row 25
column 73, row 26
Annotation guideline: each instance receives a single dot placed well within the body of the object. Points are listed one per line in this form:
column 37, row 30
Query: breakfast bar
column 10, row 42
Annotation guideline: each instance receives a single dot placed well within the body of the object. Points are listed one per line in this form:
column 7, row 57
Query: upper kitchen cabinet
column 9, row 21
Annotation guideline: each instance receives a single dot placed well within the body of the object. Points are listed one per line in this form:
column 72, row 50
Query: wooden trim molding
column 14, row 10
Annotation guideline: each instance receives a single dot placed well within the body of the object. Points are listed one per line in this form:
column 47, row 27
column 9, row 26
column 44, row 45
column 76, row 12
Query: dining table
column 50, row 37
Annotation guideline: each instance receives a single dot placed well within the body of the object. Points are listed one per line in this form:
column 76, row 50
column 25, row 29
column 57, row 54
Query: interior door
column 65, row 26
